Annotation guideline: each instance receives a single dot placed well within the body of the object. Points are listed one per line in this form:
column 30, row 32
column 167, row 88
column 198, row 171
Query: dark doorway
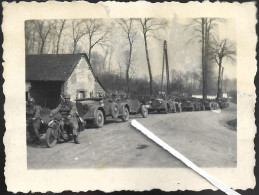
column 46, row 93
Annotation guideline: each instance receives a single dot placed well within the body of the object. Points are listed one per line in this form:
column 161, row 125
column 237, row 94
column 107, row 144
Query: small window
column 81, row 94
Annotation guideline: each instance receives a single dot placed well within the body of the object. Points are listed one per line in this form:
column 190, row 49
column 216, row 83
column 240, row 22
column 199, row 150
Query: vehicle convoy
column 172, row 105
column 96, row 110
column 188, row 105
column 178, row 106
column 214, row 105
column 198, row 106
column 223, row 103
column 161, row 105
column 54, row 132
column 134, row 106
column 210, row 105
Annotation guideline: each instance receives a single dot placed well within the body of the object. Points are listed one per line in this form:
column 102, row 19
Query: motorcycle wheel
column 51, row 138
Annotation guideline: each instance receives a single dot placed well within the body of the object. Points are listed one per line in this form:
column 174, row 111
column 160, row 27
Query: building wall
column 98, row 90
column 81, row 79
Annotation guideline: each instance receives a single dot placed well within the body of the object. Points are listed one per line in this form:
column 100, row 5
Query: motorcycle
column 30, row 134
column 55, row 133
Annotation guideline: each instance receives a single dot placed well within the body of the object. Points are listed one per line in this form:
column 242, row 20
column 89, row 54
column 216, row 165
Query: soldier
column 33, row 118
column 67, row 109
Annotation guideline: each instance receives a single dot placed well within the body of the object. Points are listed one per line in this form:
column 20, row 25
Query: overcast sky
column 182, row 54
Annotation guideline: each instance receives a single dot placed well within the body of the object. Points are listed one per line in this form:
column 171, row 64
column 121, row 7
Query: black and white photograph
column 79, row 78
column 86, row 78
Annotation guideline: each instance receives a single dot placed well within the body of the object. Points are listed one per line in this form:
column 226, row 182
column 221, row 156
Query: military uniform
column 33, row 118
column 65, row 109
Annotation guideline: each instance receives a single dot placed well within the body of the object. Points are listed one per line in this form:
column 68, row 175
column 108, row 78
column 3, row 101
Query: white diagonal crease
column 186, row 161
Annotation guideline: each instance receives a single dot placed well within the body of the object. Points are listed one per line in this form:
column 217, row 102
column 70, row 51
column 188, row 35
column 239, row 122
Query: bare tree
column 109, row 64
column 223, row 49
column 97, row 34
column 29, row 36
column 97, row 63
column 59, row 26
column 196, row 78
column 149, row 26
column 205, row 31
column 120, row 68
column 43, row 28
column 78, row 31
column 104, row 60
column 131, row 35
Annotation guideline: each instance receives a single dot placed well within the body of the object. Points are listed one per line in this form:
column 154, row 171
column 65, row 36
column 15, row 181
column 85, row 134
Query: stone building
column 50, row 75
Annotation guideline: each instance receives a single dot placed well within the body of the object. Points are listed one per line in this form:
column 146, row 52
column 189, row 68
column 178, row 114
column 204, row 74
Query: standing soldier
column 68, row 112
column 33, row 118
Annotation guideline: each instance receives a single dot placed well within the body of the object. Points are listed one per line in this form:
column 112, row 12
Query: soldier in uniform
column 33, row 118
column 67, row 110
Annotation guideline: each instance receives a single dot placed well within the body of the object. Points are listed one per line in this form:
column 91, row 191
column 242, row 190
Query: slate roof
column 54, row 67
column 51, row 67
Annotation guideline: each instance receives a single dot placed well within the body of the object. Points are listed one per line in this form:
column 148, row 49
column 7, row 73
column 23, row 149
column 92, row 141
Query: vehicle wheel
column 144, row 111
column 99, row 119
column 51, row 138
column 114, row 110
column 125, row 114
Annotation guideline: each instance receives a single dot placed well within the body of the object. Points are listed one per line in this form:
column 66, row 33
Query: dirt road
column 204, row 137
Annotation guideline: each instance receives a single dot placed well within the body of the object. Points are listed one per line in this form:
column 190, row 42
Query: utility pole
column 165, row 62
column 163, row 70
column 167, row 69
